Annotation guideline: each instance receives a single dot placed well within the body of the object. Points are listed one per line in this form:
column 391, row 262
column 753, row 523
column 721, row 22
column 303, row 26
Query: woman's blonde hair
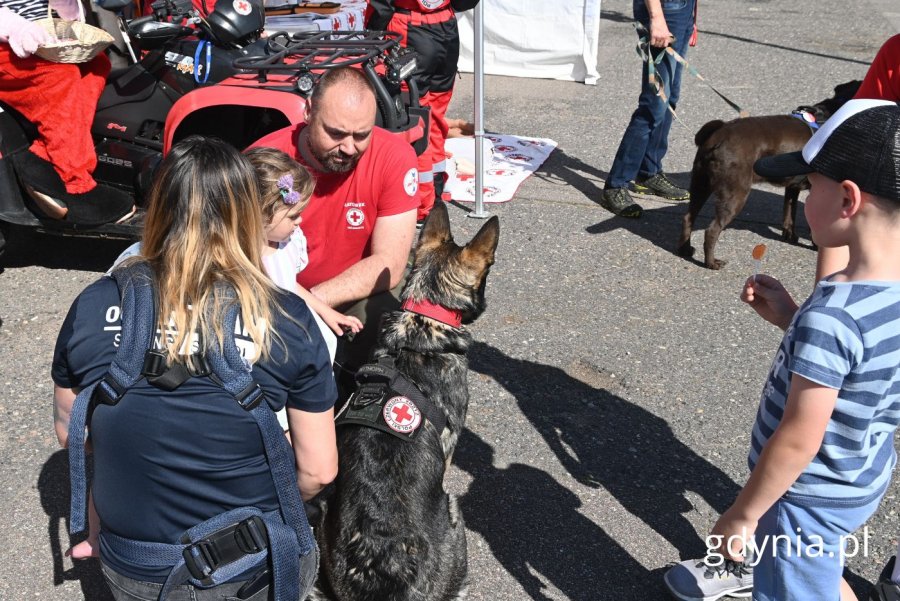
column 272, row 165
column 203, row 236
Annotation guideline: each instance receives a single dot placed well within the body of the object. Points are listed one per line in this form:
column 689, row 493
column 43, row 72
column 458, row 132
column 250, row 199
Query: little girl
column 285, row 187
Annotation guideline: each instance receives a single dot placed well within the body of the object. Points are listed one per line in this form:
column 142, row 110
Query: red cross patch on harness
column 242, row 7
column 401, row 415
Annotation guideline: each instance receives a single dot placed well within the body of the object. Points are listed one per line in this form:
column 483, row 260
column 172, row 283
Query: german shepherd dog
column 390, row 532
column 723, row 166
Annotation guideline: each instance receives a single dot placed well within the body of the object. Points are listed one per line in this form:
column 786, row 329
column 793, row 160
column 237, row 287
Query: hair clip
column 286, row 187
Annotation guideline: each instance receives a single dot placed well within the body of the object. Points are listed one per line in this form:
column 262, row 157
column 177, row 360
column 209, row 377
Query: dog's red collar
column 450, row 317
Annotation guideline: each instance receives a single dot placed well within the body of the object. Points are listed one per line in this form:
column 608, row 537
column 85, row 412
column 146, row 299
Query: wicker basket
column 73, row 41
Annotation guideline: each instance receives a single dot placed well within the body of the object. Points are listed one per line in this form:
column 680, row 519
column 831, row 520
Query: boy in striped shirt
column 822, row 447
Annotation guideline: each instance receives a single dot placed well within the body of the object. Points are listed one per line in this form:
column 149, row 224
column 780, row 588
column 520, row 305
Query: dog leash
column 643, row 50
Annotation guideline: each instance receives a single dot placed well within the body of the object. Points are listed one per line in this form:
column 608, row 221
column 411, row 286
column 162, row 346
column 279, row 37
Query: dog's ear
column 482, row 247
column 847, row 90
column 436, row 230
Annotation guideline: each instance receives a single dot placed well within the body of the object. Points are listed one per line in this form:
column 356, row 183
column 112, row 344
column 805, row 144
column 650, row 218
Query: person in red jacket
column 428, row 27
column 60, row 100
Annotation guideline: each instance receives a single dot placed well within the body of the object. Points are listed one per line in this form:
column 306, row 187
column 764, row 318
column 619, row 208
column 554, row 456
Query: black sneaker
column 618, row 201
column 886, row 589
column 660, row 185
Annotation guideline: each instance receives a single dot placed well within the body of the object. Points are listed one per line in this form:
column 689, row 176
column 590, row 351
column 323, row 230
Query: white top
column 287, row 261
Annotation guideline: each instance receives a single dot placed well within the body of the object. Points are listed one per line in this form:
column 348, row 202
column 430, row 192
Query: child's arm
column 791, row 448
column 334, row 320
column 769, row 299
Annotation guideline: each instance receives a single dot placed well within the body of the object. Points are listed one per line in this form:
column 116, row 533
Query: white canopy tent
column 526, row 38
column 535, row 38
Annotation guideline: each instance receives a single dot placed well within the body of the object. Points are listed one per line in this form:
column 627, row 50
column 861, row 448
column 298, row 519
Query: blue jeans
column 128, row 589
column 646, row 139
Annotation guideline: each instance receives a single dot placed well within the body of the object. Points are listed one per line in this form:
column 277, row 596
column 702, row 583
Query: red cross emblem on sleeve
column 402, row 415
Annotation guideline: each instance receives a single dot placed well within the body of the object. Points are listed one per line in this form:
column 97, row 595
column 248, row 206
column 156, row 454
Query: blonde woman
column 165, row 461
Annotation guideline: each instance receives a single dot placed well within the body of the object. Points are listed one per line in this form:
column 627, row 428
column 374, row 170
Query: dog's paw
column 790, row 236
column 685, row 250
column 716, row 264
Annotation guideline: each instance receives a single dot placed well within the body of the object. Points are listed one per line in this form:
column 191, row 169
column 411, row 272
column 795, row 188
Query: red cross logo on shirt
column 355, row 217
column 402, row 415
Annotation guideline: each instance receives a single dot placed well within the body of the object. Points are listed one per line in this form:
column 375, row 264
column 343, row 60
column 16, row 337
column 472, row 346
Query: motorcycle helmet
column 234, row 19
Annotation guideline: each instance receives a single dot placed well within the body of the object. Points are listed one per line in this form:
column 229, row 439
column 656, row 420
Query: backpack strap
column 235, row 373
column 138, row 320
column 221, row 549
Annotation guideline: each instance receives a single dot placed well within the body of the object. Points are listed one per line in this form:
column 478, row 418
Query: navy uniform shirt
column 166, row 461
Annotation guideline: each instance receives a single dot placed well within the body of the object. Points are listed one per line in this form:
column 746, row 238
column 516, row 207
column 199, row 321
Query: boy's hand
column 769, row 299
column 734, row 531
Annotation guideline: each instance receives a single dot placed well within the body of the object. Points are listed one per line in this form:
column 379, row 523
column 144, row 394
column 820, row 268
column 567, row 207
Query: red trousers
column 433, row 161
column 435, row 39
column 60, row 100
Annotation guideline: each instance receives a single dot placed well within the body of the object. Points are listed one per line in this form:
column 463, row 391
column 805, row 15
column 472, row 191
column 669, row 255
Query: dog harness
column 807, row 118
column 385, row 399
column 229, row 544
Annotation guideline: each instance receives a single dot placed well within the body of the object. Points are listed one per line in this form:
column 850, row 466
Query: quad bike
column 242, row 89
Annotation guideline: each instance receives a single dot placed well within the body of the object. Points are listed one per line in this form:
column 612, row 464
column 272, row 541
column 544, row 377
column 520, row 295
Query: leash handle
column 653, row 79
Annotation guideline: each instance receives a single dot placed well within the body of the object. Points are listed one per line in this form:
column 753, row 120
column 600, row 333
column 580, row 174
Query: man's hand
column 660, row 36
column 22, row 35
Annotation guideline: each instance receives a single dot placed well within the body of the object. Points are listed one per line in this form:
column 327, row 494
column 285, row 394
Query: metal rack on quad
column 293, row 64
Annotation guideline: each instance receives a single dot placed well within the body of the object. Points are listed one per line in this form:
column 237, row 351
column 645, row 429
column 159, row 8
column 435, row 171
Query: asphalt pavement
column 614, row 384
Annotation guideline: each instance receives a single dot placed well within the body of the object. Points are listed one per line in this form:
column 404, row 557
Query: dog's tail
column 707, row 130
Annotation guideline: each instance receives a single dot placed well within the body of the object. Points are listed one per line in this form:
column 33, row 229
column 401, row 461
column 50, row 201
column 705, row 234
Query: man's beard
column 335, row 161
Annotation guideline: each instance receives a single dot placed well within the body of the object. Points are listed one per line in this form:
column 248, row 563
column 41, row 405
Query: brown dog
column 723, row 167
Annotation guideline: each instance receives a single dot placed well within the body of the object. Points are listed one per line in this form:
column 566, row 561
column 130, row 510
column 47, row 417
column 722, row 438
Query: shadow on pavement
column 602, row 440
column 618, row 17
column 662, row 226
column 860, row 585
column 534, row 529
column 26, row 247
column 53, row 486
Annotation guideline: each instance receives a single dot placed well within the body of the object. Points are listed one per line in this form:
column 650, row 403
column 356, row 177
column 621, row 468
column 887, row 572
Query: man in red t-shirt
column 361, row 220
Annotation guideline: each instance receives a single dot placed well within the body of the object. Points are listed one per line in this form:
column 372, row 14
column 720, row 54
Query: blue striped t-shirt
column 846, row 336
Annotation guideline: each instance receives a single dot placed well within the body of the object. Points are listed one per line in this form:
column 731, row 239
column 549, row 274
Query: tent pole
column 479, row 212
